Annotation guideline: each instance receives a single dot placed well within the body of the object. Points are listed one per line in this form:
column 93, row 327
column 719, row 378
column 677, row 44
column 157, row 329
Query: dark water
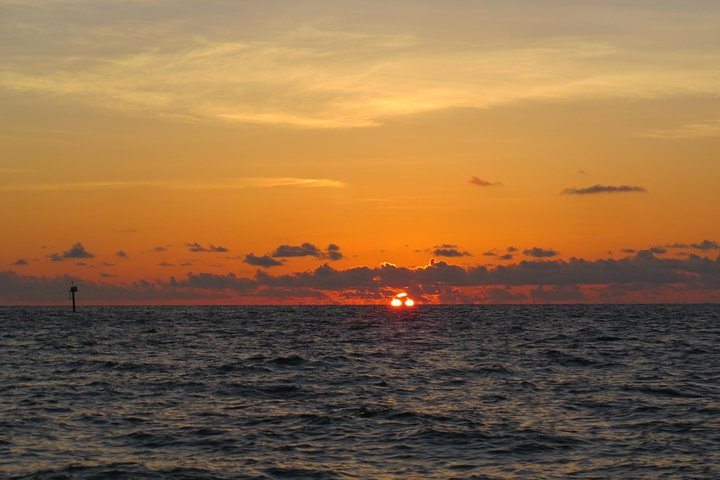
column 360, row 392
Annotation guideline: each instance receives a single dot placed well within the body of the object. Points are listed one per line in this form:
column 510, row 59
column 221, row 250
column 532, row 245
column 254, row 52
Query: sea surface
column 484, row 392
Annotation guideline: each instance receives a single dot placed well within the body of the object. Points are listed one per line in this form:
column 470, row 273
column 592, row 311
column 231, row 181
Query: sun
column 402, row 299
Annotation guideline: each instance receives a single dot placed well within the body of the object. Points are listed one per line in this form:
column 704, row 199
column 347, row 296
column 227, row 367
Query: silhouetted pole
column 73, row 289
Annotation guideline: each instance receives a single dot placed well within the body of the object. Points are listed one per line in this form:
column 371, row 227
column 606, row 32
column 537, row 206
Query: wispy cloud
column 233, row 184
column 328, row 78
column 595, row 189
column 483, row 183
column 691, row 130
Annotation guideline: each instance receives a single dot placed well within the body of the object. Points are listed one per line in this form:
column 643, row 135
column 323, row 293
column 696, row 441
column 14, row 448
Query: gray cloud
column 121, row 254
column 333, row 252
column 307, row 250
column 560, row 281
column 483, row 183
column 595, row 189
column 704, row 245
column 449, row 251
column 159, row 249
column 197, row 248
column 501, row 295
column 76, row 251
column 20, row 262
column 560, row 293
column 540, row 252
column 304, row 250
column 266, row 261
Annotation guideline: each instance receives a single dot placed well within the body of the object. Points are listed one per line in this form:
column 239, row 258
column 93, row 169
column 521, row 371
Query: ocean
column 315, row 392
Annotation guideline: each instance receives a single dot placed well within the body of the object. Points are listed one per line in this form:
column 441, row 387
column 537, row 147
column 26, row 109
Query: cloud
column 501, row 295
column 308, row 250
column 210, row 281
column 447, row 250
column 483, row 183
column 689, row 131
column 76, row 251
column 159, row 249
column 561, row 293
column 333, row 252
column 20, row 262
column 651, row 251
column 304, row 250
column 265, row 261
column 704, row 245
column 121, row 254
column 540, row 252
column 197, row 248
column 217, row 185
column 511, row 249
column 640, row 277
column 595, row 189
column 256, row 71
column 507, row 256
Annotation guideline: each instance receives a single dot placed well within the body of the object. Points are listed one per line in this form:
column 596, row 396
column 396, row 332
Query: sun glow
column 402, row 299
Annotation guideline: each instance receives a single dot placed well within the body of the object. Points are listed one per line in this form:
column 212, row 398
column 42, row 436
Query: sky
column 323, row 152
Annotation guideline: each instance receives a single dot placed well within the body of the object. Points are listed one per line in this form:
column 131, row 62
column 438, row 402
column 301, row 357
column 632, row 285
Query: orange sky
column 591, row 130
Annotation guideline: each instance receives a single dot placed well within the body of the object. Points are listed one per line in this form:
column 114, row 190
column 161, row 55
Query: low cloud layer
column 596, row 189
column 636, row 278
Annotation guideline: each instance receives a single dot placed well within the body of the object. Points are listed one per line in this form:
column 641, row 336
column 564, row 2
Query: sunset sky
column 335, row 151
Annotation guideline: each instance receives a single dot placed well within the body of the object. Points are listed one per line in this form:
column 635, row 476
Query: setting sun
column 402, row 299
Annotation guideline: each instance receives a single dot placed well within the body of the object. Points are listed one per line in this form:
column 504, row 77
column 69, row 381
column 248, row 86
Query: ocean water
column 440, row 392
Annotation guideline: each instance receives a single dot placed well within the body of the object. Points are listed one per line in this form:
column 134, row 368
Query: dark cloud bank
column 640, row 277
